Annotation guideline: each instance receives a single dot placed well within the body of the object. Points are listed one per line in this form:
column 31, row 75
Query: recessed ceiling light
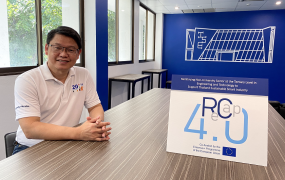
column 278, row 2
column 248, row 4
column 176, row 7
column 123, row 10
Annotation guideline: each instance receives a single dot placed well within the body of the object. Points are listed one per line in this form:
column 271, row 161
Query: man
column 49, row 99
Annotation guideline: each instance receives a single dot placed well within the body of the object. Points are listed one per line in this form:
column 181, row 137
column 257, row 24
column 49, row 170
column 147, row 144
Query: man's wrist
column 76, row 133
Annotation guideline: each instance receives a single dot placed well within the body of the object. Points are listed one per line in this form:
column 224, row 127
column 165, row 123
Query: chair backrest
column 276, row 105
column 9, row 143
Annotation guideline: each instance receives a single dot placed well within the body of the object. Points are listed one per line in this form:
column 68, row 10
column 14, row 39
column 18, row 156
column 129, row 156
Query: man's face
column 58, row 59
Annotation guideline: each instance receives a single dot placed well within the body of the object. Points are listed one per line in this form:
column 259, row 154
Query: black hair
column 66, row 31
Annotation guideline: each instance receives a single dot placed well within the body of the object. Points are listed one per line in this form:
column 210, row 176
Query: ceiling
column 168, row 6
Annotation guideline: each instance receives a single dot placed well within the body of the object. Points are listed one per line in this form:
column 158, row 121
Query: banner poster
column 219, row 117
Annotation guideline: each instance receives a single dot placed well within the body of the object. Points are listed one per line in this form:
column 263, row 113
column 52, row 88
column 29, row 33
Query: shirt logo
column 77, row 87
column 21, row 106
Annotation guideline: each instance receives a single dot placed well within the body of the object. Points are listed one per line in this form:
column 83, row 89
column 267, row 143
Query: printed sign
column 219, row 117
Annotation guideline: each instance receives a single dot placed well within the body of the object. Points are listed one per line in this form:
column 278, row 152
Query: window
column 120, row 32
column 24, row 28
column 146, row 34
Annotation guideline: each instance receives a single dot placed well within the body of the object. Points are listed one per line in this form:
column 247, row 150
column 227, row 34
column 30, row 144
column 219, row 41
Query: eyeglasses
column 59, row 49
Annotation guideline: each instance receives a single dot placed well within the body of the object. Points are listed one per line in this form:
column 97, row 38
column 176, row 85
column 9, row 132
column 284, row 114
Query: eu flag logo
column 228, row 151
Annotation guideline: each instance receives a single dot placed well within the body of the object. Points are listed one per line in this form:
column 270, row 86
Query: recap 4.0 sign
column 219, row 117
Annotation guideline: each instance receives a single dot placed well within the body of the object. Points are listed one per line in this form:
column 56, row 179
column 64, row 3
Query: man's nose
column 63, row 52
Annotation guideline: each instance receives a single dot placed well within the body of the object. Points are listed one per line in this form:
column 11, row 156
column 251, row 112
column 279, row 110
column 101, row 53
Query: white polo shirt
column 38, row 93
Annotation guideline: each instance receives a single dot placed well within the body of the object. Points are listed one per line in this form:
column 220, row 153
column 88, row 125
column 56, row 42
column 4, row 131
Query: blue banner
column 232, row 85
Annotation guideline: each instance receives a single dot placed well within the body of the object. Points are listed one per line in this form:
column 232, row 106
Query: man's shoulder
column 33, row 73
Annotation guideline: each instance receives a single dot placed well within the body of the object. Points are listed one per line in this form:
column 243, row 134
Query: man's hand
column 94, row 130
column 97, row 121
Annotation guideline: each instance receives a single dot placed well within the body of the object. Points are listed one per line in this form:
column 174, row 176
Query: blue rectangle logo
column 228, row 151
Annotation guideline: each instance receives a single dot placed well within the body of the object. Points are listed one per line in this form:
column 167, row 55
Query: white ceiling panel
column 200, row 6
column 251, row 3
column 198, row 1
column 173, row 2
column 225, row 5
column 271, row 5
column 152, row 3
column 161, row 11
column 224, row 1
column 159, row 8
column 172, row 8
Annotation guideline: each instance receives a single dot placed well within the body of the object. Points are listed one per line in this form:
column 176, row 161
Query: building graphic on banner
column 230, row 45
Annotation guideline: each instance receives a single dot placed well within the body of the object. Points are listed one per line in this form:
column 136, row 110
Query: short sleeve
column 91, row 98
column 26, row 98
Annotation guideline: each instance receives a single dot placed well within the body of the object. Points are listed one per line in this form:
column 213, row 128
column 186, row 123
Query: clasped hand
column 94, row 130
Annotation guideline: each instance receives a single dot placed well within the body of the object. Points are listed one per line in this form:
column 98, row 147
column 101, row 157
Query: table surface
column 137, row 150
column 130, row 77
column 154, row 70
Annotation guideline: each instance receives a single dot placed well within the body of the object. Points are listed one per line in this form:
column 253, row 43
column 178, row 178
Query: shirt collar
column 48, row 75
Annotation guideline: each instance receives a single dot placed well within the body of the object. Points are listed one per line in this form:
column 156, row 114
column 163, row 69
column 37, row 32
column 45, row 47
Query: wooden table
column 129, row 78
column 137, row 150
column 156, row 71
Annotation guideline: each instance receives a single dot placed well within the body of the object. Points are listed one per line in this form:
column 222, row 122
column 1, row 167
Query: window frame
column 118, row 62
column 6, row 71
column 154, row 29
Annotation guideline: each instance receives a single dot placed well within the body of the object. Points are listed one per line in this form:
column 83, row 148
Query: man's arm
column 96, row 111
column 88, row 131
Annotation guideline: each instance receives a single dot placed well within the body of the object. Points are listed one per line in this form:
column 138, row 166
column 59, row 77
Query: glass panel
column 142, row 33
column 18, row 33
column 59, row 13
column 111, row 30
column 150, row 36
column 125, row 30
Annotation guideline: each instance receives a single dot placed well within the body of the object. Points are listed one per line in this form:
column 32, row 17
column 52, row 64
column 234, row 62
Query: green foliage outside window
column 22, row 28
column 111, row 36
column 51, row 18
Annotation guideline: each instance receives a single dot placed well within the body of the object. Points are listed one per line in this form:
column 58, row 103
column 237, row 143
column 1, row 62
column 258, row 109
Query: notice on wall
column 219, row 117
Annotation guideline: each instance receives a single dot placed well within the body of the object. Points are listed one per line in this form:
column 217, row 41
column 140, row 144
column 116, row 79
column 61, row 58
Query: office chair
column 9, row 143
column 168, row 84
column 276, row 105
column 280, row 108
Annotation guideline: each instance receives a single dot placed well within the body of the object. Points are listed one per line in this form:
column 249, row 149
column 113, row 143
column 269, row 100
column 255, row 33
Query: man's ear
column 46, row 49
column 79, row 52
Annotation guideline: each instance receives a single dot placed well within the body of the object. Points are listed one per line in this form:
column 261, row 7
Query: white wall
column 120, row 89
column 7, row 110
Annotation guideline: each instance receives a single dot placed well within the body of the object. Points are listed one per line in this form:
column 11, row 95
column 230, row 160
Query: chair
column 9, row 143
column 168, row 84
column 280, row 108
column 276, row 105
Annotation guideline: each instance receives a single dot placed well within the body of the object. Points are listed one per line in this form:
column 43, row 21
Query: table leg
column 129, row 90
column 159, row 75
column 133, row 89
column 151, row 80
column 142, row 86
column 166, row 74
column 148, row 85
column 110, row 93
